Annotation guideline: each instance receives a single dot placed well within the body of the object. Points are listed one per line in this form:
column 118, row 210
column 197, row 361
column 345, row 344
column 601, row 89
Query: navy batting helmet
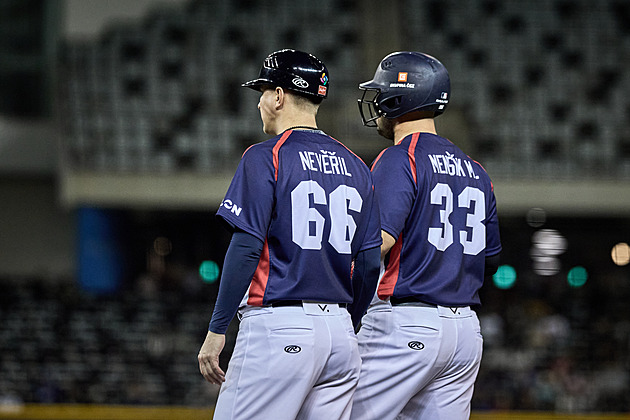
column 293, row 70
column 405, row 82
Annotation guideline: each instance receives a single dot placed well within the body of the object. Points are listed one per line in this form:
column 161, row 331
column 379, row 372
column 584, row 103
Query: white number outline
column 342, row 224
column 442, row 237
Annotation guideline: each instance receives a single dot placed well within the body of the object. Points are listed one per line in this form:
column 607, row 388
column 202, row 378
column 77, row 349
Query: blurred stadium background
column 122, row 122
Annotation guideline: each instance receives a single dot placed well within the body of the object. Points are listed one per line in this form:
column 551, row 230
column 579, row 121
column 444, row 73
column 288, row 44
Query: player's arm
column 395, row 190
column 388, row 243
column 364, row 281
column 241, row 260
column 365, row 277
column 493, row 240
column 492, row 265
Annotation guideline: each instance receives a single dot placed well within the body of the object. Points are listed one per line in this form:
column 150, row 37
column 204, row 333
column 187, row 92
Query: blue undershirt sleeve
column 492, row 265
column 239, row 266
column 367, row 266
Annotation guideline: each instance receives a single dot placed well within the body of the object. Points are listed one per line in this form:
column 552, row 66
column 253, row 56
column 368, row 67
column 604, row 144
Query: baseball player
column 420, row 341
column 304, row 256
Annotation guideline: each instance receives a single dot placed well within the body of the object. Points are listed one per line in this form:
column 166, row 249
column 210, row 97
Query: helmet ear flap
column 391, row 104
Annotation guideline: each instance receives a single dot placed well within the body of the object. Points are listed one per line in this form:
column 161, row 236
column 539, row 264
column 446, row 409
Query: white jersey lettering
column 325, row 162
column 448, row 164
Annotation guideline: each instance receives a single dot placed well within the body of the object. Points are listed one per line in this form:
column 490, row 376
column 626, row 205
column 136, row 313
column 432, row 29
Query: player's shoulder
column 483, row 173
column 396, row 151
column 443, row 155
column 392, row 156
column 476, row 164
column 444, row 146
column 258, row 150
column 348, row 152
column 339, row 148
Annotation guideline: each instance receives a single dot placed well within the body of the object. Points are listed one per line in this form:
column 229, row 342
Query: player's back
column 445, row 239
column 326, row 193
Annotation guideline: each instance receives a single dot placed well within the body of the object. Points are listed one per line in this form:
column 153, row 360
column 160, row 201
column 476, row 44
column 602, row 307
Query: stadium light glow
column 505, row 277
column 577, row 276
column 209, row 271
column 621, row 254
column 547, row 245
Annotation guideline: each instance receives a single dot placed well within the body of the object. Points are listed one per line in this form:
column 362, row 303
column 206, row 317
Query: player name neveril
column 448, row 164
column 325, row 162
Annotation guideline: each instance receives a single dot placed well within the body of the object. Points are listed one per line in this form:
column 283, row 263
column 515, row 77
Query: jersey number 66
column 307, row 224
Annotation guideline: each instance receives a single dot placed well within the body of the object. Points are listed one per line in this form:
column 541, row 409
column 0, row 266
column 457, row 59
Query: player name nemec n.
column 325, row 162
column 448, row 164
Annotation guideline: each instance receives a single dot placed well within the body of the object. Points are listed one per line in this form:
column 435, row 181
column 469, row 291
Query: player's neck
column 300, row 122
column 405, row 128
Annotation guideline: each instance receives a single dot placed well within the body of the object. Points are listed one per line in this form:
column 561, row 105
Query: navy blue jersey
column 311, row 201
column 440, row 207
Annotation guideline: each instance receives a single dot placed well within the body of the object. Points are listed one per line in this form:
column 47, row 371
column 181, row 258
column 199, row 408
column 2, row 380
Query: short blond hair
column 303, row 102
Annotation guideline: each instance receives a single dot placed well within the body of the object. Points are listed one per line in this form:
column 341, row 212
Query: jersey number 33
column 470, row 198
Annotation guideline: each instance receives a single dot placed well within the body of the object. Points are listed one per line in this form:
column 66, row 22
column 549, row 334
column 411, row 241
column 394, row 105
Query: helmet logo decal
column 271, row 62
column 402, row 76
column 402, row 85
column 324, row 79
column 321, row 90
column 299, row 82
column 443, row 100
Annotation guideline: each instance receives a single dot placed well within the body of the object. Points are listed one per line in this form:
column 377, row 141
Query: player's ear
column 280, row 97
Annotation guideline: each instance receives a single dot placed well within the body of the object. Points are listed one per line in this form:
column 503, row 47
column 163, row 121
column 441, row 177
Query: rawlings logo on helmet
column 299, row 82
